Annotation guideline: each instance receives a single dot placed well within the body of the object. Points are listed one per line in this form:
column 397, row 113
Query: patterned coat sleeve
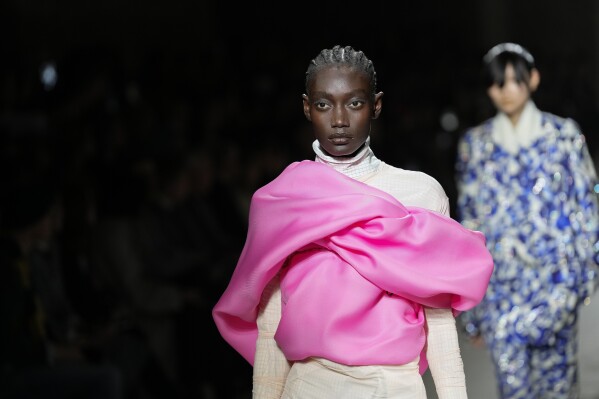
column 572, row 248
column 466, row 178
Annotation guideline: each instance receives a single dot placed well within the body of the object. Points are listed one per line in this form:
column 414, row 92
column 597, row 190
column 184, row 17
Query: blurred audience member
column 39, row 350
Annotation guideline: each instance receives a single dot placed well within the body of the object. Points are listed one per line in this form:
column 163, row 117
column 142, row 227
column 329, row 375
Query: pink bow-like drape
column 356, row 268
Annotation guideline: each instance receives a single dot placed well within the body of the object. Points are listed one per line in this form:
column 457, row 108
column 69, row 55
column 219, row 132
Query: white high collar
column 527, row 130
column 363, row 163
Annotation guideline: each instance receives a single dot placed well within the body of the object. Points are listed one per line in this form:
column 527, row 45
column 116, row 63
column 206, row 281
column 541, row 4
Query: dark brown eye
column 321, row 105
column 357, row 104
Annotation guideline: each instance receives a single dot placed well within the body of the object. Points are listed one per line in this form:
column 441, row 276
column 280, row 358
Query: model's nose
column 339, row 117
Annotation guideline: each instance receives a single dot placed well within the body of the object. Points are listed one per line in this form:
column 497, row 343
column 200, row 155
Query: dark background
column 154, row 80
column 226, row 72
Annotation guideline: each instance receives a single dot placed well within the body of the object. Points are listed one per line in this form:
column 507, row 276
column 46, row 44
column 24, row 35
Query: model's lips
column 340, row 139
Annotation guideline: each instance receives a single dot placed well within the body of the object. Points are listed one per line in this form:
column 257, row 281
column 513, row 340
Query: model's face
column 341, row 109
column 512, row 97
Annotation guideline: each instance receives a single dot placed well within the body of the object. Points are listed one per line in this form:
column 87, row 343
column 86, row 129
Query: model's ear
column 378, row 105
column 306, row 102
column 535, row 79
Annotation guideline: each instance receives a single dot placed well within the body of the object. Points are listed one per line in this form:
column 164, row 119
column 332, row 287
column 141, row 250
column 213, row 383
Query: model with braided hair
column 342, row 55
column 352, row 270
column 526, row 179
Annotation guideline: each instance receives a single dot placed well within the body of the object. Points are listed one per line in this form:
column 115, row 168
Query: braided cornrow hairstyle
column 346, row 55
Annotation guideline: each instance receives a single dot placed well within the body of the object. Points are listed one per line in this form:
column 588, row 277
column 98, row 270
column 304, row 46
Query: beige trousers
column 319, row 378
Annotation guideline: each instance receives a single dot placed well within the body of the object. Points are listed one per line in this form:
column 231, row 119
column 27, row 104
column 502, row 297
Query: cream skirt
column 319, row 378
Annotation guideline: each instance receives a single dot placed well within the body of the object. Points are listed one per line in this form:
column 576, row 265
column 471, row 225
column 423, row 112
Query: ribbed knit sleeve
column 270, row 365
column 443, row 354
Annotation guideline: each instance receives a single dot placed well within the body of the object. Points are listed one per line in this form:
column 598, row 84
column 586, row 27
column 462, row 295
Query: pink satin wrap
column 356, row 267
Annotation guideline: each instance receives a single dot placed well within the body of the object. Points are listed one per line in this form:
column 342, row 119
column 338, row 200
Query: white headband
column 511, row 47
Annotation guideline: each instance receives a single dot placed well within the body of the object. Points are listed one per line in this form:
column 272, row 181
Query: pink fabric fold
column 356, row 268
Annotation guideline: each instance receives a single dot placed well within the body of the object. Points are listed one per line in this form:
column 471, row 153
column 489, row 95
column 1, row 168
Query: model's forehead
column 338, row 69
column 337, row 74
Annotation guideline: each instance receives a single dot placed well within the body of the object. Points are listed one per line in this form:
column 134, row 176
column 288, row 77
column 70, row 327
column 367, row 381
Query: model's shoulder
column 417, row 178
column 553, row 118
column 478, row 130
column 412, row 188
column 560, row 122
column 563, row 128
column 474, row 137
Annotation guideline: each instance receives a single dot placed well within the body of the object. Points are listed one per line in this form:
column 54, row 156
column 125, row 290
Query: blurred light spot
column 48, row 75
column 587, row 301
column 449, row 121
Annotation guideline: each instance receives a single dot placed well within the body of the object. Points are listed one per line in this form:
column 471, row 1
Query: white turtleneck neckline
column 361, row 164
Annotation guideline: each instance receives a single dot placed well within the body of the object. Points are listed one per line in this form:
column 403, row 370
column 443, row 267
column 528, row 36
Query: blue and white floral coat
column 531, row 189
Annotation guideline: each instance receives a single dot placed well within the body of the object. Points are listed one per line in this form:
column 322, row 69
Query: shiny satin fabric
column 356, row 268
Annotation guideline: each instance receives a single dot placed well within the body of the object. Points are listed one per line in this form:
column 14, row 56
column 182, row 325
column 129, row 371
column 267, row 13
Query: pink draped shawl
column 356, row 267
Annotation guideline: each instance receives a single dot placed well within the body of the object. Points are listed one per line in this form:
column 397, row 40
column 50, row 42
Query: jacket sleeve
column 467, row 177
column 574, row 272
